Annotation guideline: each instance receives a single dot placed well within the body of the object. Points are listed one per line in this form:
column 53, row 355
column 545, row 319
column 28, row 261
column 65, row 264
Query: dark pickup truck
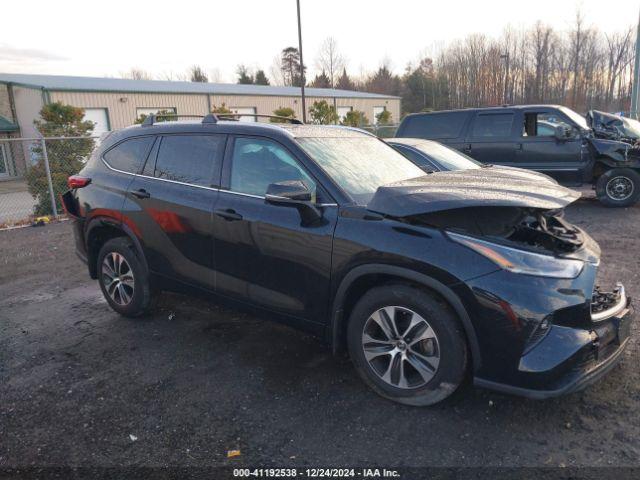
column 547, row 138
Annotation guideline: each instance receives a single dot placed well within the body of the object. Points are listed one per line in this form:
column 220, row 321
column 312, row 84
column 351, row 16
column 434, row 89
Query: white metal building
column 114, row 103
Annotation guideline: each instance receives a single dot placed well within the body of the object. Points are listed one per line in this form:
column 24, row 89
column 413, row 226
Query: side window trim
column 227, row 164
column 151, row 157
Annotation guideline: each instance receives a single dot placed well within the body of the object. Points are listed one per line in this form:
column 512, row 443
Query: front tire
column 407, row 344
column 618, row 187
column 124, row 279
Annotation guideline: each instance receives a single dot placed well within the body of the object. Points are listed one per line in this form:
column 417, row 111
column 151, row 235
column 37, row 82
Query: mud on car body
column 547, row 138
column 421, row 278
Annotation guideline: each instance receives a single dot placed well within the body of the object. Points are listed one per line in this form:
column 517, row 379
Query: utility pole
column 302, row 80
column 505, row 57
column 635, row 90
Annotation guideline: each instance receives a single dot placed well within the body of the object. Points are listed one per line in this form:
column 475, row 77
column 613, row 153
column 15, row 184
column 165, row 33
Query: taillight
column 76, row 181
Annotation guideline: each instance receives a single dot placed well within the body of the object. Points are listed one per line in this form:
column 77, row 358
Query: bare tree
column 214, row 75
column 618, row 58
column 196, row 74
column 136, row 73
column 330, row 61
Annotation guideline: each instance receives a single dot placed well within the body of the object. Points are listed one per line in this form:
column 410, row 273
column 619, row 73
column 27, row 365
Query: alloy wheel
column 401, row 347
column 620, row 188
column 117, row 278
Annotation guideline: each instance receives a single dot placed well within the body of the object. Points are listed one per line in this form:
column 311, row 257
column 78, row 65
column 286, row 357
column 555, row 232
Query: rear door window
column 437, row 125
column 193, row 159
column 129, row 155
column 492, row 125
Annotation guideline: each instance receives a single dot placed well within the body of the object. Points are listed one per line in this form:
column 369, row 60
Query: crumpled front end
column 543, row 331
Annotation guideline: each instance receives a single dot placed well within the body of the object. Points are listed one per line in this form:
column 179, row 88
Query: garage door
column 100, row 117
column 377, row 111
column 342, row 112
column 245, row 110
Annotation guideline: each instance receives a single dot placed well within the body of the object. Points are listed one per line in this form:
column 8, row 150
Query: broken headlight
column 521, row 261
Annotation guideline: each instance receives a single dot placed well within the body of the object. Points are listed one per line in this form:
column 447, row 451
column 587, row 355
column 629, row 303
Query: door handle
column 228, row 214
column 519, row 146
column 141, row 193
column 466, row 148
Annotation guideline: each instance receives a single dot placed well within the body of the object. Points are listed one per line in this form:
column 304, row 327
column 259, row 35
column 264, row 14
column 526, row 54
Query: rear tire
column 123, row 278
column 426, row 360
column 618, row 187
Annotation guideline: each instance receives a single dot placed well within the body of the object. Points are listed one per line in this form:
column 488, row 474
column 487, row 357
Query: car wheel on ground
column 407, row 344
column 618, row 187
column 123, row 279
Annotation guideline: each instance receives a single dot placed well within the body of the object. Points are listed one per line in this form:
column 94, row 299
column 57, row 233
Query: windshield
column 575, row 118
column 446, row 157
column 359, row 165
column 630, row 127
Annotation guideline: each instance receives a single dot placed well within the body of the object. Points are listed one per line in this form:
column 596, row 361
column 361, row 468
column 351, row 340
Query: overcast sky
column 109, row 37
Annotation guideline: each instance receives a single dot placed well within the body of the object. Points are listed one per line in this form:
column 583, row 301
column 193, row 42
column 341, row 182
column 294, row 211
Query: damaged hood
column 482, row 187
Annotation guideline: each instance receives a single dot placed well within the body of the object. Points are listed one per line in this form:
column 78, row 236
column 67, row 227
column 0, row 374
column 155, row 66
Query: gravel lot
column 80, row 385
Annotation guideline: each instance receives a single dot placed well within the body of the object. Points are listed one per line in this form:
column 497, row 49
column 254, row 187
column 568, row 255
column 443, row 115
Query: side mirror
column 294, row 193
column 290, row 191
column 562, row 132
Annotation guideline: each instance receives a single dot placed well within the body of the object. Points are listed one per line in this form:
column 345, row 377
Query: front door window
column 257, row 163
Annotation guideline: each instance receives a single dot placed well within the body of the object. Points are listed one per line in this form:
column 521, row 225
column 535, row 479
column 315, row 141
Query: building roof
column 98, row 84
column 7, row 125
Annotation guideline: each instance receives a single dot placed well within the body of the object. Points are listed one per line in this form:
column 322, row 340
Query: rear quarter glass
column 434, row 125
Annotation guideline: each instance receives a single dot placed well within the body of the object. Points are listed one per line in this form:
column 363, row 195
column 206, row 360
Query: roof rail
column 151, row 119
column 214, row 117
column 219, row 116
column 210, row 118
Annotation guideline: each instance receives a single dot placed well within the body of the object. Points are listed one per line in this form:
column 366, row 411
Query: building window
column 342, row 112
column 377, row 111
column 4, row 162
column 100, row 118
column 247, row 110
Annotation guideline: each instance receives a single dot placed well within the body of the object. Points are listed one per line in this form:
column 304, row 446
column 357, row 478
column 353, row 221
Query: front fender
column 337, row 318
column 613, row 153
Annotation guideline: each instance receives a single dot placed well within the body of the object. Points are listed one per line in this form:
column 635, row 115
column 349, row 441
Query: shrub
column 384, row 117
column 66, row 156
column 322, row 113
column 283, row 112
column 355, row 118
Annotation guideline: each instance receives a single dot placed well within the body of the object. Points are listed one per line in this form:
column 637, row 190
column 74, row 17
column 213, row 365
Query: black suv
column 548, row 138
column 423, row 277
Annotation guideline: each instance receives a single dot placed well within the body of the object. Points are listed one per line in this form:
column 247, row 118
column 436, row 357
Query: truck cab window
column 542, row 124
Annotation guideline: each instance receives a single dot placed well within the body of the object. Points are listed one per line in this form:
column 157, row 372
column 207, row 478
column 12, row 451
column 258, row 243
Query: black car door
column 171, row 203
column 264, row 254
column 490, row 138
column 540, row 150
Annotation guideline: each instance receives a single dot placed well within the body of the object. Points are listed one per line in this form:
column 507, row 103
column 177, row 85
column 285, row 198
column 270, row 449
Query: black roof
column 480, row 109
column 273, row 130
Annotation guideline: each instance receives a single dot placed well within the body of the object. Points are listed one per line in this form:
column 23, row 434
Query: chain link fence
column 34, row 172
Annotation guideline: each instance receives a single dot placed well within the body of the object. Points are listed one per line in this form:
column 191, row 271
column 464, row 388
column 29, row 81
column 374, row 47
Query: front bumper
column 595, row 353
